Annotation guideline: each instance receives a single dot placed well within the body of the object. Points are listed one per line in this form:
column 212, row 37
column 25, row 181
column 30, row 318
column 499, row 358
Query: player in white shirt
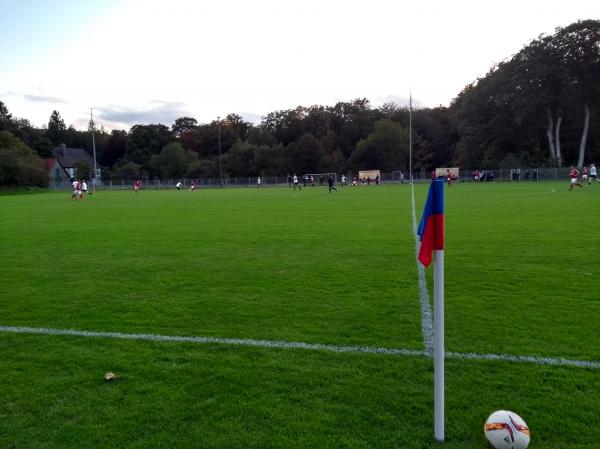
column 593, row 174
column 296, row 182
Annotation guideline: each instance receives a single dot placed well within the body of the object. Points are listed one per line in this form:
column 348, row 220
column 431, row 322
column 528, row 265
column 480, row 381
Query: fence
column 500, row 175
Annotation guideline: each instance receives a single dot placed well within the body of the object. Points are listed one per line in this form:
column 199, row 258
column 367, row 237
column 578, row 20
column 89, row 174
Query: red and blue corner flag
column 431, row 228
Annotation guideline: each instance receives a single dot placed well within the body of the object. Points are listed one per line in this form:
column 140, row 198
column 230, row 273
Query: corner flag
column 431, row 228
column 431, row 231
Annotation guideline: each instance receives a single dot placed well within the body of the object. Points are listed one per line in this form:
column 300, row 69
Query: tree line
column 541, row 107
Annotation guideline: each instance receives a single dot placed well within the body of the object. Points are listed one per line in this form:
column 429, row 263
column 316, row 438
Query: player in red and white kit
column 574, row 175
column 584, row 175
column 137, row 185
column 76, row 189
column 449, row 178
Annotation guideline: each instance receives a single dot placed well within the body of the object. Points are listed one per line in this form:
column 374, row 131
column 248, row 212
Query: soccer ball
column 506, row 430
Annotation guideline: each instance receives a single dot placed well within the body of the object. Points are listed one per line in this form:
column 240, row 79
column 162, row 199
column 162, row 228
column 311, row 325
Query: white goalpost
column 319, row 179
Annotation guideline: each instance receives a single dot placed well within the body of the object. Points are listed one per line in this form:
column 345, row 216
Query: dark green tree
column 5, row 117
column 116, row 148
column 386, row 148
column 83, row 170
column 146, row 140
column 171, row 162
column 19, row 165
column 182, row 125
column 56, row 128
column 305, row 155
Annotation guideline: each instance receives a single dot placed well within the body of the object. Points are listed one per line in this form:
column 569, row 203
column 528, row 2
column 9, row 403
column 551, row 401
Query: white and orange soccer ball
column 506, row 430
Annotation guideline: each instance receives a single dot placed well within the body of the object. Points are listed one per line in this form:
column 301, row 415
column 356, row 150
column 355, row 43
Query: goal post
column 443, row 172
column 318, row 179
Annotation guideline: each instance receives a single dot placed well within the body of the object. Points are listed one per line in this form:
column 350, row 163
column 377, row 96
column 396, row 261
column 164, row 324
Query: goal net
column 443, row 172
column 320, row 179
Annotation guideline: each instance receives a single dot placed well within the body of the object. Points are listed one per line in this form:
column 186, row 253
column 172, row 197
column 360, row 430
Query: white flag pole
column 438, row 344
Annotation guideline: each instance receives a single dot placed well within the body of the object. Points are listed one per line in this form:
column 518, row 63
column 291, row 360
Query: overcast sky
column 149, row 61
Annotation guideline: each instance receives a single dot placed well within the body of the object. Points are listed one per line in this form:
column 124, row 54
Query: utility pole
column 410, row 137
column 220, row 167
column 94, row 149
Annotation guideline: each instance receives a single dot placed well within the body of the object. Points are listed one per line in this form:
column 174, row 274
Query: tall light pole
column 220, row 167
column 94, row 149
column 410, row 137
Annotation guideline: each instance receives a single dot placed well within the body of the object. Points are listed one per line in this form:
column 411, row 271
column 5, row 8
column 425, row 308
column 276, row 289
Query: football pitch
column 274, row 318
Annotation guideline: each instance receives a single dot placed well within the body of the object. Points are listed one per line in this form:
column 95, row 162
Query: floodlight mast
column 94, row 150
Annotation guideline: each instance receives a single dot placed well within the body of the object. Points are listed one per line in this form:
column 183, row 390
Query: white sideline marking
column 541, row 193
column 224, row 341
column 523, row 359
column 300, row 345
column 426, row 318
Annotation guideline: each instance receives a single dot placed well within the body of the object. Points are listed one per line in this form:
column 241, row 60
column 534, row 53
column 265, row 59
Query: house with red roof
column 61, row 168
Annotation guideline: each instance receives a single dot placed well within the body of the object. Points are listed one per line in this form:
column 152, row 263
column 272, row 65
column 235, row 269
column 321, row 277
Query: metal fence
column 527, row 174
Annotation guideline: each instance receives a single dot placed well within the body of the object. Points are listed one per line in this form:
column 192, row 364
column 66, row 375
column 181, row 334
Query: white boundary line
column 300, row 345
column 216, row 340
column 426, row 318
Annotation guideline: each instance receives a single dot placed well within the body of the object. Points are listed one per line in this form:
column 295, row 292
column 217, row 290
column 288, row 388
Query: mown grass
column 299, row 266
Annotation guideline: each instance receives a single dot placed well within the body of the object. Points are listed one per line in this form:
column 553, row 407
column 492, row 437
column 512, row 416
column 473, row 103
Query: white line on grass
column 300, row 345
column 426, row 318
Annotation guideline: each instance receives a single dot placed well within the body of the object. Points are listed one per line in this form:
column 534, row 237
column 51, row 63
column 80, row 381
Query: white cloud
column 214, row 58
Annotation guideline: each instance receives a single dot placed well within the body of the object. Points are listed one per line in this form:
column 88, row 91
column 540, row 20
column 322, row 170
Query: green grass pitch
column 276, row 264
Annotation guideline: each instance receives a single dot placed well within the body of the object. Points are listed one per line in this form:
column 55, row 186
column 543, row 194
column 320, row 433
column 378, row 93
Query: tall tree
column 386, row 148
column 116, row 148
column 5, row 117
column 56, row 128
column 305, row 155
column 146, row 140
column 182, row 125
column 19, row 165
column 241, row 127
column 171, row 162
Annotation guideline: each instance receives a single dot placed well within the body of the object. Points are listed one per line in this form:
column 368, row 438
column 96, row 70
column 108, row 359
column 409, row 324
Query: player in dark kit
column 330, row 183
